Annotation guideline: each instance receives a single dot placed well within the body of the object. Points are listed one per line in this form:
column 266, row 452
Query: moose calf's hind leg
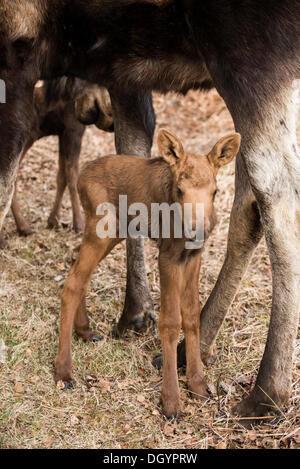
column 73, row 293
column 82, row 324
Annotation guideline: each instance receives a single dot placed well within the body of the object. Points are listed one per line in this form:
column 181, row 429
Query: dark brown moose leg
column 23, row 226
column 71, row 148
column 134, row 128
column 267, row 123
column 61, row 182
column 69, row 153
column 15, row 116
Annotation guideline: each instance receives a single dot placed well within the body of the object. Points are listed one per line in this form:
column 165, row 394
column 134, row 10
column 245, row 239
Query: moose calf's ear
column 170, row 147
column 225, row 150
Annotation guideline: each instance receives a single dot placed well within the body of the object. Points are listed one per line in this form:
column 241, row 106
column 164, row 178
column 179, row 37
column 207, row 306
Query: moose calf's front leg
column 190, row 310
column 169, row 329
column 245, row 232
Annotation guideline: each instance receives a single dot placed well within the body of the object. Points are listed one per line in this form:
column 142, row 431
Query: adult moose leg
column 273, row 164
column 15, row 124
column 245, row 232
column 270, row 155
column 134, row 121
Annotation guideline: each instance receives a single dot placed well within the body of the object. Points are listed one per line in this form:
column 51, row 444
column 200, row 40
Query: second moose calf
column 173, row 178
column 64, row 107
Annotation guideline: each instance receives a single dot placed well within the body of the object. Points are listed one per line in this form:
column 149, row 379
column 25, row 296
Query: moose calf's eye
column 179, row 192
column 215, row 193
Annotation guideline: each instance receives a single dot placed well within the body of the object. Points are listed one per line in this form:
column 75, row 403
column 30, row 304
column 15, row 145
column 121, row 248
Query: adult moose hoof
column 53, row 222
column 3, row 243
column 256, row 405
column 209, row 357
column 25, row 231
column 140, row 324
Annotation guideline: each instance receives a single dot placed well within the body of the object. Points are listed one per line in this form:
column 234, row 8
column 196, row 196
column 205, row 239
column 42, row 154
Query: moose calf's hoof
column 96, row 338
column 171, row 410
column 69, row 385
column 89, row 336
column 198, row 389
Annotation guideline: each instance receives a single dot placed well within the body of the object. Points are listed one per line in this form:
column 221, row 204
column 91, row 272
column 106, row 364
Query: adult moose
column 250, row 51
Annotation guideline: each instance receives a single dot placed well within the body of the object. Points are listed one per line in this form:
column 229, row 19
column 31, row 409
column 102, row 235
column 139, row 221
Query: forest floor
column 115, row 402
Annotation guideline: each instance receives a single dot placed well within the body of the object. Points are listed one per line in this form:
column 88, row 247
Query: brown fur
column 176, row 177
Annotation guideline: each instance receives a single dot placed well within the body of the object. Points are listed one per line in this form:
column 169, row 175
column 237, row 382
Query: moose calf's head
column 194, row 176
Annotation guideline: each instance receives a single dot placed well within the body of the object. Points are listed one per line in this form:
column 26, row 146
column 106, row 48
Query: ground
column 115, row 402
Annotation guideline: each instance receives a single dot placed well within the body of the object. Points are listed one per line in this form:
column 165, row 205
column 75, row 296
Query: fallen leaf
column 60, row 385
column 252, row 435
column 73, row 421
column 18, row 387
column 141, row 398
column 34, row 379
column 222, row 445
column 48, row 441
column 103, row 385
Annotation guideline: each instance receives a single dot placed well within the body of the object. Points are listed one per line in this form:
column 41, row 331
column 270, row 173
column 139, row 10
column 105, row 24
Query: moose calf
column 175, row 177
column 63, row 107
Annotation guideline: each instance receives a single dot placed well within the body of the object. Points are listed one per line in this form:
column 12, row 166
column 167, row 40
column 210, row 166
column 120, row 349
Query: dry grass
column 115, row 401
